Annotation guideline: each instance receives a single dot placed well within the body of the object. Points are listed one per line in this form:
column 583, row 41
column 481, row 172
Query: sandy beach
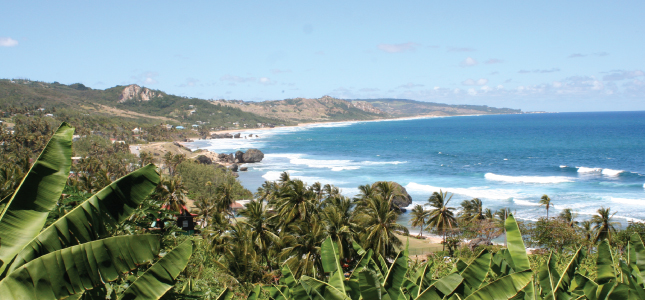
column 240, row 130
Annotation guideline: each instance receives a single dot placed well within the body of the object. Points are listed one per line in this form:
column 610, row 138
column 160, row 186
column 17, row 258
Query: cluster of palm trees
column 601, row 225
column 443, row 219
column 289, row 221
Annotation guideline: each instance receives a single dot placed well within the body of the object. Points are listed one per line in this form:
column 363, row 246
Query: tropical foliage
column 80, row 250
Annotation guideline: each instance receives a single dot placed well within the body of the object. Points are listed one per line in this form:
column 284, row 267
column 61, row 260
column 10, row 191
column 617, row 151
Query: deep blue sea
column 581, row 160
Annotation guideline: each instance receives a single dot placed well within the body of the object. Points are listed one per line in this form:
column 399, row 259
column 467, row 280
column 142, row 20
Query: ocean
column 580, row 160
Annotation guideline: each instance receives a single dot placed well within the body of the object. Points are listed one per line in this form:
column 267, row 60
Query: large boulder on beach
column 215, row 136
column 242, row 169
column 401, row 201
column 222, row 157
column 237, row 135
column 253, row 155
column 234, row 167
column 239, row 156
column 226, row 136
column 205, row 160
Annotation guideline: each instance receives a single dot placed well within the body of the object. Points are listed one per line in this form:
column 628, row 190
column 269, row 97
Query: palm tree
column 340, row 223
column 472, row 210
column 294, row 201
column 603, row 225
column 379, row 222
column 262, row 233
column 224, row 197
column 567, row 215
column 171, row 192
column 302, row 247
column 545, row 200
column 441, row 217
column 419, row 216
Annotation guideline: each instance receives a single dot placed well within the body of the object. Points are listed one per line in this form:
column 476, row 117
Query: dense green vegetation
column 294, row 241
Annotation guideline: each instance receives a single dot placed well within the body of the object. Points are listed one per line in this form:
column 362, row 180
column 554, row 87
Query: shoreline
column 332, row 122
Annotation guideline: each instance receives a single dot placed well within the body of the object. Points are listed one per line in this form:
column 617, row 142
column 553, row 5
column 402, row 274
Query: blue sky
column 533, row 55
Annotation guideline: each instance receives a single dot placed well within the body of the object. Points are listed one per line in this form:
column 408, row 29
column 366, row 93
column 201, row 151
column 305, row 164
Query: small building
column 136, row 130
column 238, row 205
column 180, row 127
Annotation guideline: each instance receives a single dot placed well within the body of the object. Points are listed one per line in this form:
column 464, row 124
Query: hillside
column 131, row 106
column 309, row 110
column 127, row 103
column 332, row 109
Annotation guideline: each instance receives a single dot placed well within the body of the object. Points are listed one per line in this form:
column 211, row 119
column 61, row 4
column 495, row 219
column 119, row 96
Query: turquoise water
column 581, row 160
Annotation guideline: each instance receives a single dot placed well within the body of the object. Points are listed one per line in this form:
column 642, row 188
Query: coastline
column 239, row 130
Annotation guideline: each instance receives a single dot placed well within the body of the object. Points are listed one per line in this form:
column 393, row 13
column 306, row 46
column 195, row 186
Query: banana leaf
column 637, row 254
column 635, row 291
column 475, row 272
column 442, row 287
column 329, row 257
column 26, row 211
column 394, row 278
column 503, row 288
column 224, row 295
column 352, row 286
column 159, row 278
column 604, row 264
column 564, row 283
column 370, row 285
column 255, row 293
column 319, row 290
column 519, row 260
column 75, row 269
column 279, row 292
column 88, row 221
column 548, row 277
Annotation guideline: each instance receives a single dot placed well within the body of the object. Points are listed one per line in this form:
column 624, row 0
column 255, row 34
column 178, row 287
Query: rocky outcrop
column 234, row 167
column 242, row 169
column 237, row 135
column 205, row 160
column 239, row 156
column 226, row 136
column 400, row 201
column 253, row 155
column 367, row 107
column 135, row 92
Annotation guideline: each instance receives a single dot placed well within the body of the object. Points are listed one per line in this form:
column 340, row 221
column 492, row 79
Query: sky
column 532, row 55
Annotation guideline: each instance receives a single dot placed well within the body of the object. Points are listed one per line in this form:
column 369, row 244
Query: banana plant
column 75, row 254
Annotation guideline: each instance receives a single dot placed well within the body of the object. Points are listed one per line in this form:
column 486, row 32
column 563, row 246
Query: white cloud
column 398, row 48
column 481, row 81
column 468, row 62
column 190, row 82
column 8, row 42
column 266, row 81
column 557, row 84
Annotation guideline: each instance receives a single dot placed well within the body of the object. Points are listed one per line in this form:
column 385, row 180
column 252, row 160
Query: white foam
column 525, row 202
column 588, row 170
column 272, row 175
column 527, row 179
column 610, row 172
column 637, row 202
column 563, row 166
column 332, row 164
column 474, row 192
